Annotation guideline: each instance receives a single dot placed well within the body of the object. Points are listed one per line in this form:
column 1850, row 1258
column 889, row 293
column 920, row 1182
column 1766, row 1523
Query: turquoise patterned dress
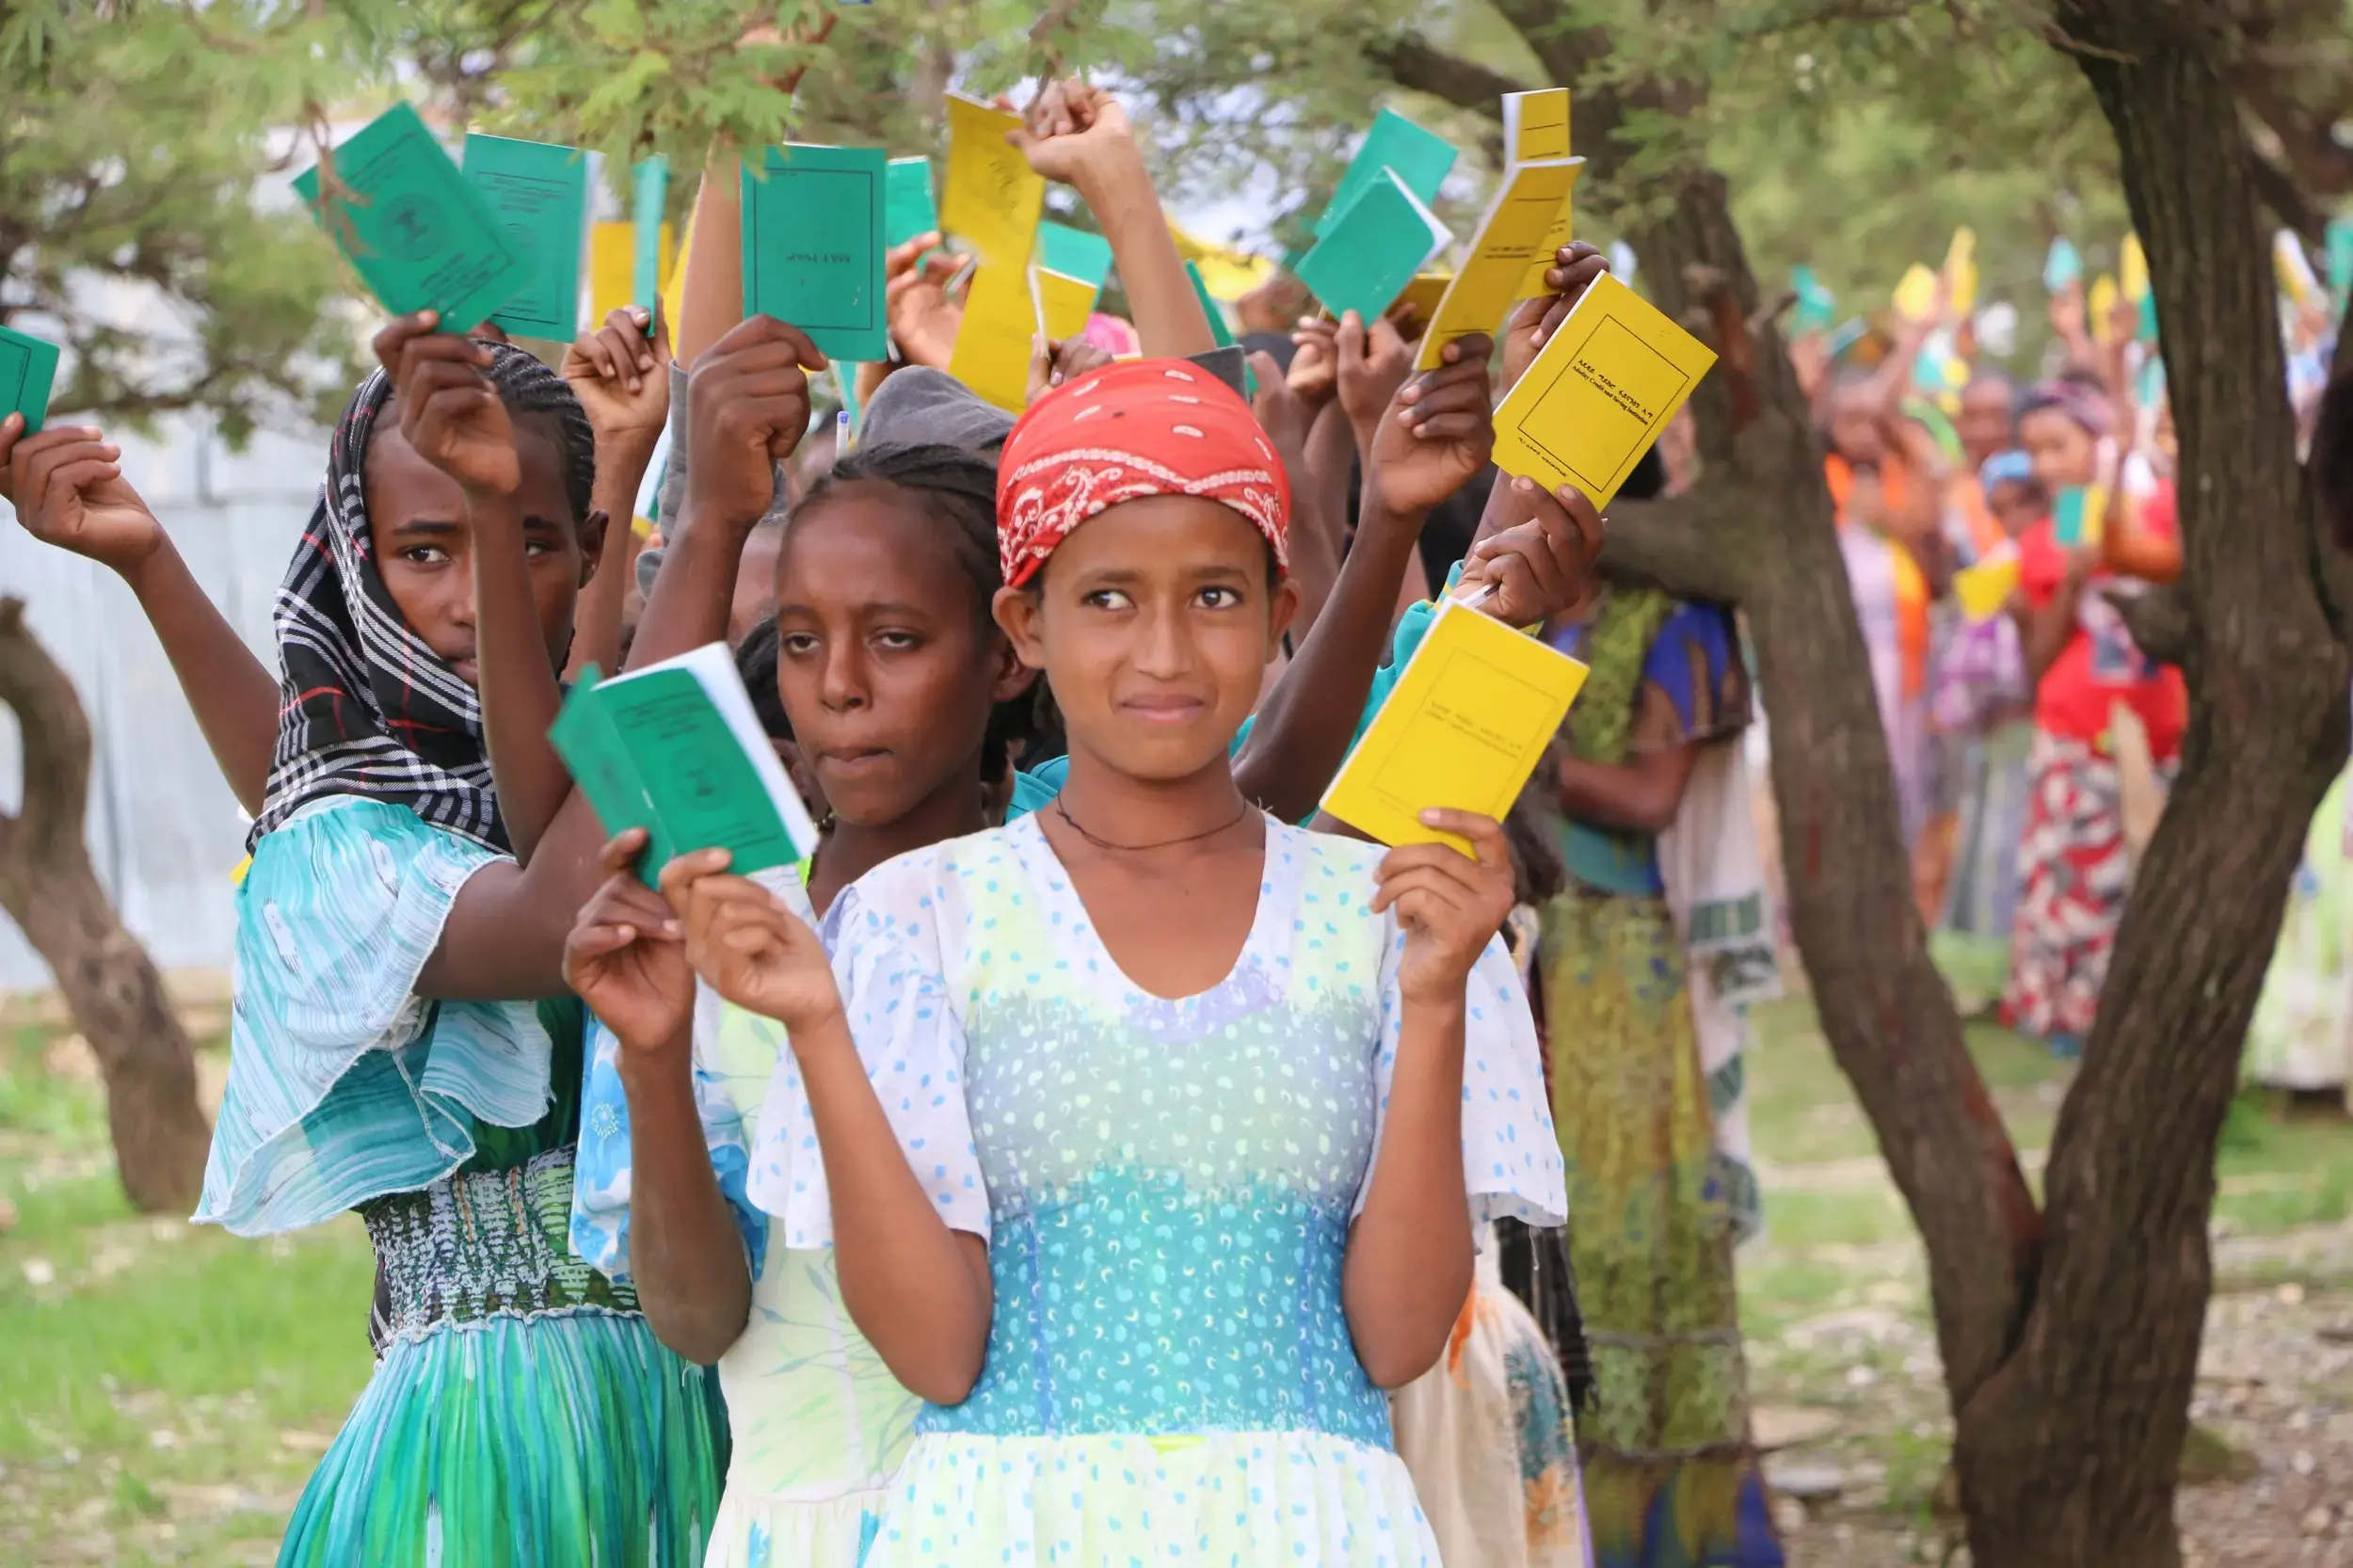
column 521, row 1413
column 1167, row 1188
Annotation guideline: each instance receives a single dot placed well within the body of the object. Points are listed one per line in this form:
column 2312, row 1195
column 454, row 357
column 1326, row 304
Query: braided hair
column 956, row 488
column 530, row 389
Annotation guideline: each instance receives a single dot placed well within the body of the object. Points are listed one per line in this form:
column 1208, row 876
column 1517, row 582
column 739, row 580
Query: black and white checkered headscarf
column 366, row 707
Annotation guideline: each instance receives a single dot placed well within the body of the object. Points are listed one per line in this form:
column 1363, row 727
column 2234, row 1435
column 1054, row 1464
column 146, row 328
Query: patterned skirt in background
column 1981, row 900
column 522, row 1414
column 2074, row 872
column 2301, row 1037
column 1670, row 1478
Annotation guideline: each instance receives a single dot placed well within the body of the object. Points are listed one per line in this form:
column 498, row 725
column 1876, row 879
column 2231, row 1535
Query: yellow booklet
column 991, row 199
column 1420, row 297
column 1985, row 589
column 1466, row 725
column 994, row 340
column 1509, row 241
column 1536, row 130
column 1601, row 390
column 1063, row 303
column 1915, row 294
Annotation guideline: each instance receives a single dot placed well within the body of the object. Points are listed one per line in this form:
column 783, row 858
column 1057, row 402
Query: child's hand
column 747, row 946
column 1074, row 130
column 622, row 378
column 1540, row 567
column 1053, row 363
column 1449, row 904
column 1436, row 436
column 1374, row 363
column 449, row 411
column 2068, row 313
column 923, row 320
column 1315, row 373
column 66, row 487
column 1534, row 322
column 749, row 403
column 626, row 957
column 1280, row 410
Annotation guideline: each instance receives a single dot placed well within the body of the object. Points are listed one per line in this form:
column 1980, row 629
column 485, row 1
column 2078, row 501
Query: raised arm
column 66, row 484
column 711, row 300
column 1408, row 1267
column 748, row 410
column 622, row 380
column 627, row 960
column 918, row 1290
column 1079, row 134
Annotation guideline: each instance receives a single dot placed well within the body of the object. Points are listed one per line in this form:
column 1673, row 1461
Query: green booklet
column 28, row 368
column 1074, row 253
column 541, row 195
column 813, row 246
column 1366, row 259
column 420, row 237
column 909, row 204
column 1419, row 158
column 675, row 748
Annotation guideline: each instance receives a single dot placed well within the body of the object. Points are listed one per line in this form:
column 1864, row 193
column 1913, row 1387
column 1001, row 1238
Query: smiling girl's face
column 424, row 544
column 1154, row 622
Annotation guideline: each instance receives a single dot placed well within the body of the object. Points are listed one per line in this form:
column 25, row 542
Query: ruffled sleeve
column 884, row 939
column 1511, row 1156
column 600, row 1179
column 344, row 1085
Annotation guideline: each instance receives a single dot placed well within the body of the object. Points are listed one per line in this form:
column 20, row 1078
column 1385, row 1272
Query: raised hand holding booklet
column 1511, row 241
column 1601, row 388
column 993, row 198
column 1463, row 728
column 675, row 748
column 420, row 236
column 1365, row 260
column 813, row 246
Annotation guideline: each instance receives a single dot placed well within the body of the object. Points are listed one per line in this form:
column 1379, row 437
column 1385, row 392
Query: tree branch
column 54, row 742
column 1413, row 62
column 2277, row 190
column 2158, row 620
column 1677, row 543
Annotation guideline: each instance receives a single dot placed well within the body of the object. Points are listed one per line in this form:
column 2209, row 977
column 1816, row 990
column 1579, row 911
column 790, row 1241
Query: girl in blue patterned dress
column 1089, row 1106
column 400, row 1044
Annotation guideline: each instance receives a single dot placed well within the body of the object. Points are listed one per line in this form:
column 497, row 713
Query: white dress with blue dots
column 1167, row 1188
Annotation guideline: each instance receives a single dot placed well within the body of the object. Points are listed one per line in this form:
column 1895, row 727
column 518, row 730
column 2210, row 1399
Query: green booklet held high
column 421, row 237
column 813, row 246
column 675, row 748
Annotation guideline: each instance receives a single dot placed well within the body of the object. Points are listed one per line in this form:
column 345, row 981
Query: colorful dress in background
column 1167, row 1188
column 1486, row 1435
column 817, row 1424
column 1655, row 1202
column 1890, row 600
column 2074, row 864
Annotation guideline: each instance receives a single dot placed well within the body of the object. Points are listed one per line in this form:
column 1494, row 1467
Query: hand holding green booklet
column 1366, row 259
column 813, row 246
column 28, row 368
column 675, row 748
column 541, row 195
column 419, row 234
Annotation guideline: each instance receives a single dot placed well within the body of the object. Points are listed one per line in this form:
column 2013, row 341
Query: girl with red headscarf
column 1156, row 1129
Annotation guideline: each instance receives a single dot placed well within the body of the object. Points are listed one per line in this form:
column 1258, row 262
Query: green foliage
column 130, row 148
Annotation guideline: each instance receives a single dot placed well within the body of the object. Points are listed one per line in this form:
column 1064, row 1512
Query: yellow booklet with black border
column 1601, row 388
column 1466, row 725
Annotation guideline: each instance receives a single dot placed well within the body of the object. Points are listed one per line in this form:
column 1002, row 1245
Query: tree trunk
column 110, row 985
column 2070, row 1455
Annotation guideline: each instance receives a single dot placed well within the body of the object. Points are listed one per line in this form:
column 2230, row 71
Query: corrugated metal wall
column 164, row 830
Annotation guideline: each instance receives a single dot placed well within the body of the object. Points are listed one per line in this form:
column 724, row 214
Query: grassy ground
column 163, row 1390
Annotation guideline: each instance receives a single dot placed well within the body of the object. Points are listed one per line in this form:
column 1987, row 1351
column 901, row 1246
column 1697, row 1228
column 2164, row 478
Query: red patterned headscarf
column 1140, row 428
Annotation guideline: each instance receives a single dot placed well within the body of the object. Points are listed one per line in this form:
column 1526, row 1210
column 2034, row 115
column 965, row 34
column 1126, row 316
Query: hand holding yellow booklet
column 1510, row 242
column 1601, row 390
column 1463, row 728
